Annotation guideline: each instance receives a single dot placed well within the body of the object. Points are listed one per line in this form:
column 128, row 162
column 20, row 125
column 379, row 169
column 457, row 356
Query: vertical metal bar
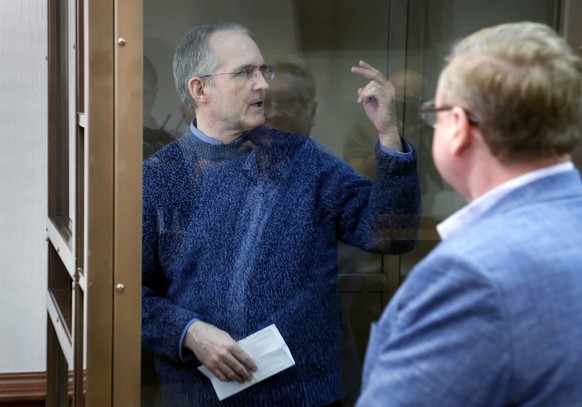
column 98, row 198
column 127, row 204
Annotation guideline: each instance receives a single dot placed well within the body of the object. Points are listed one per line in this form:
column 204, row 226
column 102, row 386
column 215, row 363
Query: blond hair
column 524, row 84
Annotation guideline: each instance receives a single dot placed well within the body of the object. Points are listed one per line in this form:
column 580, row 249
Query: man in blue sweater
column 240, row 229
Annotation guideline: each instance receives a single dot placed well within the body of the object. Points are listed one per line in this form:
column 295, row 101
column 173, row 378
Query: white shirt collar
column 470, row 213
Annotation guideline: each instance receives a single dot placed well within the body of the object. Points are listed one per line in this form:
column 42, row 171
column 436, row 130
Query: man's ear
column 196, row 87
column 462, row 131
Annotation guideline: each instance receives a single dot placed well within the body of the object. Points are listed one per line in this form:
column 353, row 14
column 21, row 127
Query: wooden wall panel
column 23, row 389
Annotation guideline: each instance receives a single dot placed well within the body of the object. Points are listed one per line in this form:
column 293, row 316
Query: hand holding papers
column 270, row 353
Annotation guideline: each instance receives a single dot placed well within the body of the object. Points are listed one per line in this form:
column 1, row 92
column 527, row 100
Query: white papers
column 270, row 353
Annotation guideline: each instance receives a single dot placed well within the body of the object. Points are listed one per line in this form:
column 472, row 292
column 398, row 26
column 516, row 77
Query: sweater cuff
column 407, row 147
column 189, row 355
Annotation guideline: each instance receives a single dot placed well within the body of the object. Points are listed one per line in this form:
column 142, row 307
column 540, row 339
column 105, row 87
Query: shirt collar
column 210, row 140
column 469, row 214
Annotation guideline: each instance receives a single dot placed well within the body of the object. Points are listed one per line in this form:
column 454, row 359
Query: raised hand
column 377, row 98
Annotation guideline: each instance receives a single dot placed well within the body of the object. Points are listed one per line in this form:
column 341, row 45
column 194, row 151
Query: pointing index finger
column 367, row 71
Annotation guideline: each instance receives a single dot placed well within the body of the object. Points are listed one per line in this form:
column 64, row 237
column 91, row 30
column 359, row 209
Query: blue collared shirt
column 209, row 139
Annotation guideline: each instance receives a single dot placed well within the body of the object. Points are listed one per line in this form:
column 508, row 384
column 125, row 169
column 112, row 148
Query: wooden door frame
column 113, row 101
column 106, row 241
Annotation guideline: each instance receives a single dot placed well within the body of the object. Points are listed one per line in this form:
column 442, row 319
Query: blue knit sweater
column 244, row 235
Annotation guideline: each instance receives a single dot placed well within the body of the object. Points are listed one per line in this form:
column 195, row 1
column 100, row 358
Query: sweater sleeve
column 380, row 216
column 163, row 322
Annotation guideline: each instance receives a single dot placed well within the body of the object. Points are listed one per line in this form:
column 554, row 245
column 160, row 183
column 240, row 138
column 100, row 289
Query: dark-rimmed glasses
column 428, row 113
column 248, row 72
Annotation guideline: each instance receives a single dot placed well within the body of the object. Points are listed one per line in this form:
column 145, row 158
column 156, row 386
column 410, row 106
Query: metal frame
column 103, row 256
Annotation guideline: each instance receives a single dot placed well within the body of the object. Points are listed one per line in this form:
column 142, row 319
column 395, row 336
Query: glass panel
column 432, row 27
column 60, row 287
column 80, row 187
column 80, row 371
column 57, row 372
column 60, row 381
column 59, row 120
column 312, row 45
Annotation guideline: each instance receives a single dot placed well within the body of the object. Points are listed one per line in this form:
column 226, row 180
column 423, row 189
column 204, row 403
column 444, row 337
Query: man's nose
column 260, row 81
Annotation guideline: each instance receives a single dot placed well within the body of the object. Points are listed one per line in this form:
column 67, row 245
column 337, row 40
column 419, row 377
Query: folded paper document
column 270, row 353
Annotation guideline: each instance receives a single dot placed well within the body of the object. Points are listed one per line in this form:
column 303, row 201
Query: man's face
column 448, row 163
column 439, row 145
column 235, row 103
column 288, row 106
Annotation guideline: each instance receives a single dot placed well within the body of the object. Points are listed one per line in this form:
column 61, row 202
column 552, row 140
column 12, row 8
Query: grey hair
column 193, row 56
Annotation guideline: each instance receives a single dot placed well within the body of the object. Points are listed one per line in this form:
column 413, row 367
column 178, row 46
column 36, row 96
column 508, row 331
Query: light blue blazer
column 493, row 316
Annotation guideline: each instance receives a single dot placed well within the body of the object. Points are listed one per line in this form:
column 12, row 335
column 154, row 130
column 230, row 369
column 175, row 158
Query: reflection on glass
column 154, row 135
column 292, row 200
column 290, row 103
column 312, row 47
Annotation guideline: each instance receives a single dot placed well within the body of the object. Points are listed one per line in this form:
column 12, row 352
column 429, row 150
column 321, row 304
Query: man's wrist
column 187, row 339
column 391, row 139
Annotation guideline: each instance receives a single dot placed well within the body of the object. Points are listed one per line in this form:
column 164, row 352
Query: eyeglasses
column 428, row 113
column 248, row 72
